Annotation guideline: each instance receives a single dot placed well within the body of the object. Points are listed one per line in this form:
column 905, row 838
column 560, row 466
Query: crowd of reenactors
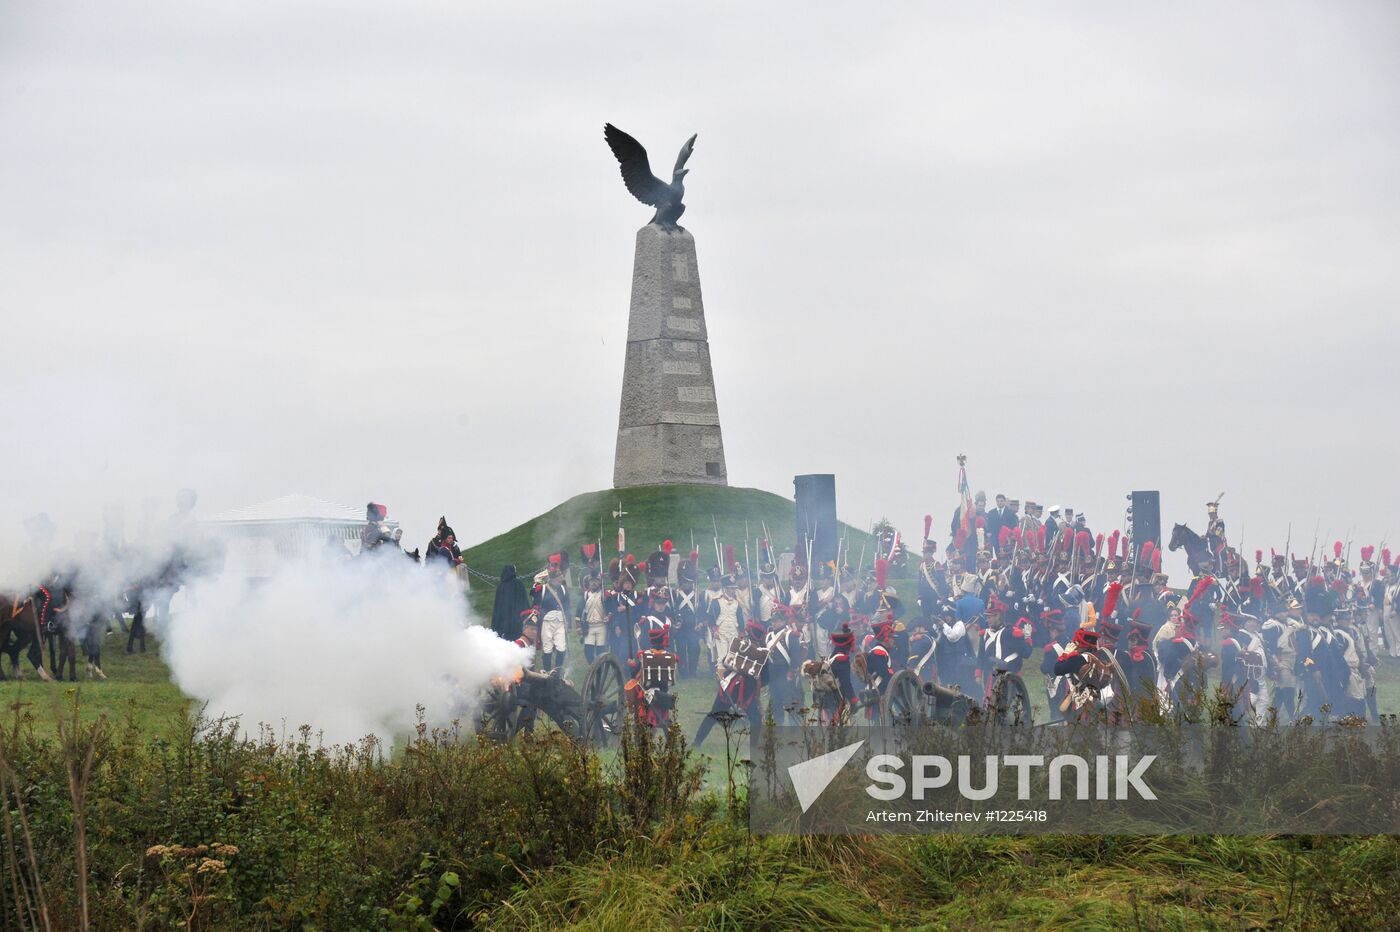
column 1011, row 591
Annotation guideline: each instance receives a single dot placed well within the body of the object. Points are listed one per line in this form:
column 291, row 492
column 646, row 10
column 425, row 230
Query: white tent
column 293, row 527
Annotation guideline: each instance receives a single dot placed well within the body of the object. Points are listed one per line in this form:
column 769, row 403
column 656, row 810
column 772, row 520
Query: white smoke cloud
column 349, row 647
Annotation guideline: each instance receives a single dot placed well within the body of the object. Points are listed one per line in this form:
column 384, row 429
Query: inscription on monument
column 683, row 346
column 673, row 367
column 696, row 394
column 680, row 303
column 680, row 268
column 684, row 324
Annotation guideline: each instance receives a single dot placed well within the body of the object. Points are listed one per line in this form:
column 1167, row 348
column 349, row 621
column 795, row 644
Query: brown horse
column 21, row 628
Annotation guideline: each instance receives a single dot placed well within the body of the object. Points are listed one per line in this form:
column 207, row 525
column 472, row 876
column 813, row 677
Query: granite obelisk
column 668, row 425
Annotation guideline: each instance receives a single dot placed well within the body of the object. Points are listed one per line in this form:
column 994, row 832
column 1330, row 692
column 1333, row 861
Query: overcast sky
column 381, row 251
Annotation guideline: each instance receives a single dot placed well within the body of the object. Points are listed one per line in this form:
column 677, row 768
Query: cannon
column 593, row 715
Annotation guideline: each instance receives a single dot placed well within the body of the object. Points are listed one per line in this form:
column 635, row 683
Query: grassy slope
column 137, row 687
column 654, row 513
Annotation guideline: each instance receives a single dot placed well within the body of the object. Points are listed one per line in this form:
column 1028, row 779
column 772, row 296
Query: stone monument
column 668, row 424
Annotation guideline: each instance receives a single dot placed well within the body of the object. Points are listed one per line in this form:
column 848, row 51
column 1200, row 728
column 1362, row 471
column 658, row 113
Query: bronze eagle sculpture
column 646, row 187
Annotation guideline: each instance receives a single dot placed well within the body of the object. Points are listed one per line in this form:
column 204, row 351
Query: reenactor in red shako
column 653, row 674
column 832, row 688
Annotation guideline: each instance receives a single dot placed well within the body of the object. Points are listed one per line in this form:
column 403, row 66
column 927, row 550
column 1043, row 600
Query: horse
column 1198, row 555
column 21, row 629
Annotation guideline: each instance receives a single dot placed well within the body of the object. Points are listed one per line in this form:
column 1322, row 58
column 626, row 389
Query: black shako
column 646, row 187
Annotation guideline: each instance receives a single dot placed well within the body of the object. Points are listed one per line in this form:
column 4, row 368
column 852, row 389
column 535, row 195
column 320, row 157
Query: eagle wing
column 636, row 170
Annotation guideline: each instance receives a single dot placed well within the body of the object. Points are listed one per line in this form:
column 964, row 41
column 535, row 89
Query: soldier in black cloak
column 511, row 600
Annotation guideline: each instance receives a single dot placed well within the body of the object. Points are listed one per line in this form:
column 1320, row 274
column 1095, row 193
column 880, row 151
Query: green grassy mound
column 654, row 513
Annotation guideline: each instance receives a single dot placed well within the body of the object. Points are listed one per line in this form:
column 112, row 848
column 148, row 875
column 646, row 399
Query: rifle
column 719, row 559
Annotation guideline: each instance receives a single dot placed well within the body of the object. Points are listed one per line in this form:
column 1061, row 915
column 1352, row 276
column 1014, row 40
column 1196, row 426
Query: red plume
column 981, row 521
column 1205, row 583
column 1003, row 537
column 1040, row 539
column 1256, row 587
column 1148, row 549
column 928, row 525
column 1082, row 541
column 882, row 572
column 1098, row 546
column 1337, row 550
column 588, row 551
column 729, row 558
column 1113, row 546
column 1368, row 552
column 1110, row 600
column 667, row 547
column 1258, row 556
column 1156, row 561
column 1385, row 556
column 630, row 560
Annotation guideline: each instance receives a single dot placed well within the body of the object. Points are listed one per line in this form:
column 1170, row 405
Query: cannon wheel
column 604, row 700
column 1011, row 701
column 904, row 700
column 499, row 716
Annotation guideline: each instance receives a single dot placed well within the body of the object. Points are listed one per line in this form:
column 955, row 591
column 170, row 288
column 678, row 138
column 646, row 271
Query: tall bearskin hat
column 687, row 571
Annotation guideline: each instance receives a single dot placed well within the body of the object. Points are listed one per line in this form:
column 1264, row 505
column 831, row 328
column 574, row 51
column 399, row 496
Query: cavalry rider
column 726, row 619
column 443, row 546
column 555, row 614
column 653, row 674
column 593, row 619
column 375, row 532
column 1002, row 648
column 786, row 651
column 1215, row 535
column 739, row 692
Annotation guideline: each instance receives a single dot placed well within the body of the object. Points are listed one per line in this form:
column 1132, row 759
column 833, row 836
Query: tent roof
column 291, row 509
